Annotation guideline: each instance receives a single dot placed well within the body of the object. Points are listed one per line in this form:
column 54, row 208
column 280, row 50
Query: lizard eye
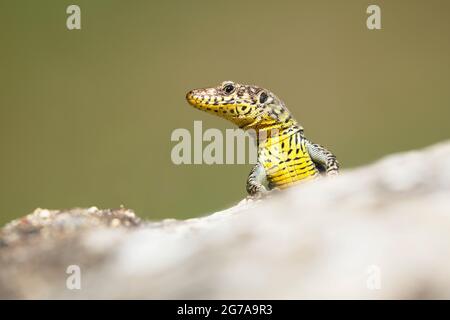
column 263, row 97
column 228, row 88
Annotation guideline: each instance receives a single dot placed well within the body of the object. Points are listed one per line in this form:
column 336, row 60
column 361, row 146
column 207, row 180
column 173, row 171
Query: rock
column 380, row 231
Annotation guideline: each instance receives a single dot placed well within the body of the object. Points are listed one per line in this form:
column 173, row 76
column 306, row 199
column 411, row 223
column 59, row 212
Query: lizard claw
column 258, row 192
column 263, row 193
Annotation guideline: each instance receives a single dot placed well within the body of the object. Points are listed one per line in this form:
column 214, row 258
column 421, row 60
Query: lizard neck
column 275, row 136
column 271, row 127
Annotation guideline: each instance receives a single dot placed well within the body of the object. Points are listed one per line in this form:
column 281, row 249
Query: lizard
column 285, row 155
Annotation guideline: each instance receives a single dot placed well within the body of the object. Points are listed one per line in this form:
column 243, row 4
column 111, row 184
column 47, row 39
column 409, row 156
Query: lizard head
column 247, row 106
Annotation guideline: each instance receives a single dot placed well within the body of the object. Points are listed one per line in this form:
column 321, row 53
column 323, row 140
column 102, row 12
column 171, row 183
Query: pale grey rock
column 380, row 231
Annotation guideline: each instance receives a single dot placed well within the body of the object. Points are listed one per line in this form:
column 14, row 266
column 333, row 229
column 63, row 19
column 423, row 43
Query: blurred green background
column 86, row 116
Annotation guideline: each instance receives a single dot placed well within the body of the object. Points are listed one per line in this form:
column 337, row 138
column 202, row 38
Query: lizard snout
column 193, row 97
column 195, row 94
column 198, row 97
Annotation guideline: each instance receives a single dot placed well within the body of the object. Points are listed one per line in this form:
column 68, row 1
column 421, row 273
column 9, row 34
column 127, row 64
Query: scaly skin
column 285, row 156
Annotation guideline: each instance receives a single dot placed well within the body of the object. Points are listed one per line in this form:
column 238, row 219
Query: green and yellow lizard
column 285, row 156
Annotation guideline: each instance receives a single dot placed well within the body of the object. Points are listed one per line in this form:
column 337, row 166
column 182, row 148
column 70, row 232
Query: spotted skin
column 285, row 156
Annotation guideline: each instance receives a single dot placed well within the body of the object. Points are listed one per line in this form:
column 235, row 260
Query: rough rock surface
column 381, row 231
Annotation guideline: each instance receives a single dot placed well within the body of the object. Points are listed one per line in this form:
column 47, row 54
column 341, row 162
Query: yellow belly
column 287, row 163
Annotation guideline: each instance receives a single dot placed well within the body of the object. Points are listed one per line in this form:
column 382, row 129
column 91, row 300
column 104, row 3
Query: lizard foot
column 263, row 193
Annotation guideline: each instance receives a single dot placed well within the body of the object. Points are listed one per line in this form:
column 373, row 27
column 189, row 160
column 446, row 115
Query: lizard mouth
column 211, row 101
column 195, row 100
column 192, row 98
column 202, row 100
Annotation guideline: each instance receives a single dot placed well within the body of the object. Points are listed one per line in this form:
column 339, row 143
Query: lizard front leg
column 323, row 157
column 256, row 180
